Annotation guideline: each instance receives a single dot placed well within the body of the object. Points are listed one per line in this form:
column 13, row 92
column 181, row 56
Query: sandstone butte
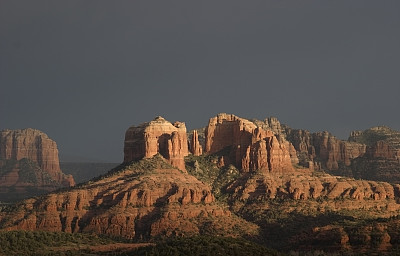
column 152, row 194
column 37, row 147
column 252, row 148
column 157, row 136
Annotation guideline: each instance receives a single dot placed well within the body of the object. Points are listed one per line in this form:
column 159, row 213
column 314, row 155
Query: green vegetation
column 47, row 243
column 376, row 169
column 149, row 164
column 60, row 243
column 205, row 245
column 145, row 165
column 29, row 171
column 371, row 136
column 205, row 168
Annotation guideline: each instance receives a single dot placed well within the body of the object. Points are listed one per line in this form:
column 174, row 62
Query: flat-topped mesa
column 37, row 147
column 252, row 148
column 157, row 136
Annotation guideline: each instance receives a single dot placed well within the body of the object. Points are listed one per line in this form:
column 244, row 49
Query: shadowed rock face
column 370, row 154
column 326, row 148
column 32, row 149
column 381, row 141
column 157, row 136
column 252, row 148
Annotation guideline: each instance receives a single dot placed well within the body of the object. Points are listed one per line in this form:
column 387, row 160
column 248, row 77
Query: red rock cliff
column 157, row 136
column 252, row 147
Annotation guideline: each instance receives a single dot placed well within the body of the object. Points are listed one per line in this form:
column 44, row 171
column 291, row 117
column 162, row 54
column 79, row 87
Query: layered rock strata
column 304, row 186
column 131, row 202
column 382, row 142
column 157, row 136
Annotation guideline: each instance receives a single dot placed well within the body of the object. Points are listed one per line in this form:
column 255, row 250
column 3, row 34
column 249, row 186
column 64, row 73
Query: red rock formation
column 128, row 203
column 157, row 136
column 377, row 142
column 195, row 147
column 382, row 149
column 252, row 147
column 279, row 130
column 37, row 147
column 331, row 152
column 334, row 192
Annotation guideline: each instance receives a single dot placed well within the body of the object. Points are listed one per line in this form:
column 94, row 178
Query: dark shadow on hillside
column 143, row 225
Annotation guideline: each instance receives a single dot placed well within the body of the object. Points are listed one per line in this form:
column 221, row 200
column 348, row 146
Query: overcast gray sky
column 84, row 71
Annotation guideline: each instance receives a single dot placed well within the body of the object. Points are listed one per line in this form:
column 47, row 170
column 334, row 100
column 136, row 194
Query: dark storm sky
column 84, row 71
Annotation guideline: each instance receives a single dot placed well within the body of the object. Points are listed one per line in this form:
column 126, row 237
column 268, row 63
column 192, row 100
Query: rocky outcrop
column 251, row 147
column 374, row 134
column 29, row 165
column 382, row 158
column 382, row 142
column 279, row 130
column 195, row 147
column 133, row 202
column 333, row 152
column 383, row 149
column 157, row 136
column 322, row 149
column 303, row 186
column 362, row 238
column 325, row 150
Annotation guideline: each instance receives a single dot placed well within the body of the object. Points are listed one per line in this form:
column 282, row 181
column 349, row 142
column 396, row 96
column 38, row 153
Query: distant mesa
column 29, row 163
